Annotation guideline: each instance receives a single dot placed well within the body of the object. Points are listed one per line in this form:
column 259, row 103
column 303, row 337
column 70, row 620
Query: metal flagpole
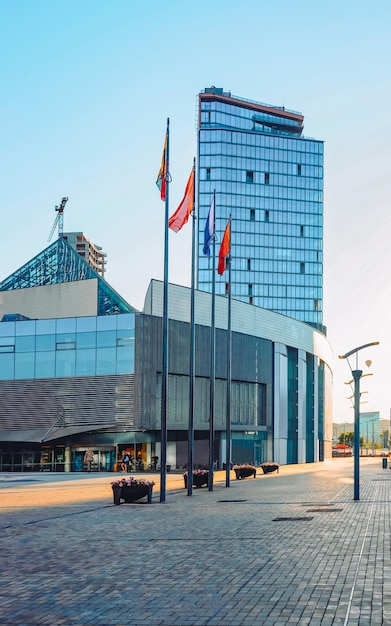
column 190, row 461
column 212, row 353
column 229, row 370
column 163, row 452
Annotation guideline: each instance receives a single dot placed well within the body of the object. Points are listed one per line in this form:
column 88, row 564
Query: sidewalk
column 287, row 548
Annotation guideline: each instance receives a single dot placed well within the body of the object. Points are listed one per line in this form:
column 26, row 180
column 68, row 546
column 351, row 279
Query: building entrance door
column 104, row 459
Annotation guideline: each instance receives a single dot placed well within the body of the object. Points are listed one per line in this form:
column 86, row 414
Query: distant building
column 269, row 177
column 88, row 250
column 373, row 430
column 370, row 429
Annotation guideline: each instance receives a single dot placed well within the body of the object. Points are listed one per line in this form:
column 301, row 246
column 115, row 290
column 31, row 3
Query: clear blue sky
column 87, row 85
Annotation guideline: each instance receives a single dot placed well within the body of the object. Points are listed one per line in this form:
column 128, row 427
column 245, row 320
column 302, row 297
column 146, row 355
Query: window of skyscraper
column 7, row 348
column 249, row 177
column 252, row 215
column 65, row 345
column 266, row 178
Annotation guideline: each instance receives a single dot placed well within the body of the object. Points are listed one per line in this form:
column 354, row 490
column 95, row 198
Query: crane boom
column 59, row 219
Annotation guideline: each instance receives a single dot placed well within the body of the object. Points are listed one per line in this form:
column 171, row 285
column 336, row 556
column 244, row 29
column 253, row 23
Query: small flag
column 224, row 248
column 162, row 175
column 209, row 228
column 181, row 215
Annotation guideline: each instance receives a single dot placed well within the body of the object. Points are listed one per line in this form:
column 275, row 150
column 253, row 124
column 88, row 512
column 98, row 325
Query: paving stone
column 70, row 558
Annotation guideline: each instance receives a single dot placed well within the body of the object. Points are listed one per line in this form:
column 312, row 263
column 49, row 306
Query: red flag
column 181, row 215
column 224, row 248
column 162, row 175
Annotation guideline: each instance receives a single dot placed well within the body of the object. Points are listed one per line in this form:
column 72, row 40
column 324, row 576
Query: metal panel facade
column 252, row 376
column 78, row 403
column 73, row 299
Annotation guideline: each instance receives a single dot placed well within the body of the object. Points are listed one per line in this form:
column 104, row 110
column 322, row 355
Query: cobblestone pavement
column 286, row 548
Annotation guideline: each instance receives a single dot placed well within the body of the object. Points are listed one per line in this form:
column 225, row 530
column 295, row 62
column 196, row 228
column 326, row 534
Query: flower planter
column 267, row 468
column 132, row 494
column 199, row 480
column 245, row 472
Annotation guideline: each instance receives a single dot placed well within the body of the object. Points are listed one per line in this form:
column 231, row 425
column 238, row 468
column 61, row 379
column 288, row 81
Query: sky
column 86, row 88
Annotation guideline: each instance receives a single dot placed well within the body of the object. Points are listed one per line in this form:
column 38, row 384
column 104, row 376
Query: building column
column 316, row 410
column 68, row 459
column 301, row 406
column 280, row 413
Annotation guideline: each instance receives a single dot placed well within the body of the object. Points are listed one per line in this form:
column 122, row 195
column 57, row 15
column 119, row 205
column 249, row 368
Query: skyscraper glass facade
column 269, row 177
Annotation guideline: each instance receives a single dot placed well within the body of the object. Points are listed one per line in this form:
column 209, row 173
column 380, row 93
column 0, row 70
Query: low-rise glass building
column 80, row 367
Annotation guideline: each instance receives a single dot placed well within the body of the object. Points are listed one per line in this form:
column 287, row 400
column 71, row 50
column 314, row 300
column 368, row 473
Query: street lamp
column 357, row 374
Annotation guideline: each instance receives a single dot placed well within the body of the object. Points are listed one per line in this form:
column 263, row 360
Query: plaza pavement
column 286, row 548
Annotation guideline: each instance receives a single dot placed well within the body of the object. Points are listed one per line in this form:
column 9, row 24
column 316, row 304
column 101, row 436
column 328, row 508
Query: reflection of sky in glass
column 29, row 350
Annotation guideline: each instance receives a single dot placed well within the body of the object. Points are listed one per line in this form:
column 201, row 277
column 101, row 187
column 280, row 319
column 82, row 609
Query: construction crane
column 59, row 219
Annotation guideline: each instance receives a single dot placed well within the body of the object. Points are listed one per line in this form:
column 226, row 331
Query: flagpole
column 163, row 438
column 229, row 371
column 190, row 461
column 212, row 353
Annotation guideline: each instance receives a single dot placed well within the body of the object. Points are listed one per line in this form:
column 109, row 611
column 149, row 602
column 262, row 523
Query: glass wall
column 57, row 348
column 270, row 179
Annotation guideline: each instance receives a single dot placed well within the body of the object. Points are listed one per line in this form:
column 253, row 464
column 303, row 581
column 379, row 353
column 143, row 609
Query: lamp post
column 357, row 373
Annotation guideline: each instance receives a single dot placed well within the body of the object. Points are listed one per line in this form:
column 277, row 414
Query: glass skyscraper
column 269, row 177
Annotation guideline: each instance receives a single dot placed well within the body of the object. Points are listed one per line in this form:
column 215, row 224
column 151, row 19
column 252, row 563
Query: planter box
column 132, row 494
column 245, row 472
column 272, row 467
column 199, row 480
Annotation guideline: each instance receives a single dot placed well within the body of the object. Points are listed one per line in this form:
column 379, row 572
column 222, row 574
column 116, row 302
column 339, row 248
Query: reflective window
column 24, row 365
column 65, row 345
column 45, row 365
column 125, row 341
column 106, row 361
column 7, row 329
column 106, row 339
column 25, row 344
column 65, row 363
column 86, row 362
column 47, row 354
column 106, row 322
column 86, row 340
column 45, row 327
column 25, row 328
column 66, row 325
column 87, row 324
column 45, row 342
column 65, row 337
column 6, row 346
column 125, row 360
column 7, row 362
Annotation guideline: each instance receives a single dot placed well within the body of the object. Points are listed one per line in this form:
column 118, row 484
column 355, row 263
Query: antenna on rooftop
column 59, row 218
